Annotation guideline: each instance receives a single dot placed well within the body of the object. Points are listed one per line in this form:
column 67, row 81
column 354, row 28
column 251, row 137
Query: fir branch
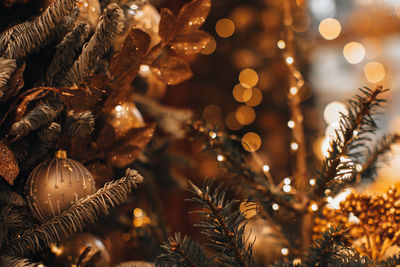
column 111, row 23
column 20, row 40
column 183, row 252
column 223, row 228
column 83, row 212
column 8, row 197
column 79, row 124
column 381, row 148
column 331, row 248
column 66, row 53
column 16, row 262
column 7, row 67
column 354, row 128
column 43, row 114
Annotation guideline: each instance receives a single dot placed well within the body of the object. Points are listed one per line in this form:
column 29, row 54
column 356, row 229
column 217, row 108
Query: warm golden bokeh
column 330, row 28
column 225, row 28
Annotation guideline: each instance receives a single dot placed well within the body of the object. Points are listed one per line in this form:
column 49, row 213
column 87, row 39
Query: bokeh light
column 354, row 52
column 242, row 94
column 374, row 72
column 231, row 122
column 248, row 78
column 225, row 28
column 245, row 115
column 333, row 110
column 251, row 142
column 330, row 28
column 256, row 97
column 373, row 47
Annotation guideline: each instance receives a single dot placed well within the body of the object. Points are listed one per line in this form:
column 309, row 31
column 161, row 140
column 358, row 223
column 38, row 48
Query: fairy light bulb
column 293, row 90
column 289, row 60
column 281, row 44
column 314, row 207
column 294, row 146
column 137, row 212
column 287, row 180
column 286, row 188
column 275, row 206
column 220, row 158
column 291, row 124
column 213, row 135
column 266, row 168
column 312, row 182
column 284, row 251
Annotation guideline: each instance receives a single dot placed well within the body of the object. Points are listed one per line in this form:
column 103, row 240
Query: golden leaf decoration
column 191, row 42
column 171, row 69
column 193, row 14
column 168, row 25
column 9, row 169
column 128, row 148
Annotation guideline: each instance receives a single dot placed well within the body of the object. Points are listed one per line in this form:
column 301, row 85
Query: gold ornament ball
column 54, row 185
column 125, row 117
column 268, row 242
column 69, row 251
column 140, row 15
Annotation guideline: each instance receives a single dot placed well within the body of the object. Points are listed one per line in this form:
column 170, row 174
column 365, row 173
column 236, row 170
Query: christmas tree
column 95, row 162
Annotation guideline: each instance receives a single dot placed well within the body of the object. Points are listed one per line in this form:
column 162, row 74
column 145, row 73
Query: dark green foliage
column 355, row 131
column 183, row 252
column 223, row 228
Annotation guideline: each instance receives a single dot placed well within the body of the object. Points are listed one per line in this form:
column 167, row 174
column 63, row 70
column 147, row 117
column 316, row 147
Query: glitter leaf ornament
column 54, row 185
column 168, row 25
column 8, row 165
column 191, row 43
column 170, row 69
column 193, row 14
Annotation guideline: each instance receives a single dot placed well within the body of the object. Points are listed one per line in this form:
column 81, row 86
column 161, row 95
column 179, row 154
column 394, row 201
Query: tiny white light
column 293, row 90
column 312, row 181
column 213, row 135
column 266, row 168
column 281, row 44
column 289, row 60
column 275, row 206
column 329, row 199
column 355, row 132
column 144, row 68
column 294, row 146
column 287, row 180
column 118, row 108
column 220, row 158
column 290, row 124
column 287, row 188
column 284, row 251
column 314, row 207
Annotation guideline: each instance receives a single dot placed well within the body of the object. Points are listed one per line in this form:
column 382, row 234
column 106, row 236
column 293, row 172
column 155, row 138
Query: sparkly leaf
column 14, row 84
column 191, row 42
column 168, row 26
column 193, row 14
column 8, row 165
column 28, row 97
column 80, row 98
column 128, row 148
column 171, row 69
column 135, row 46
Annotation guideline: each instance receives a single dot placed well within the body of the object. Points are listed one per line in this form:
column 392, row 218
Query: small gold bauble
column 69, row 251
column 54, row 185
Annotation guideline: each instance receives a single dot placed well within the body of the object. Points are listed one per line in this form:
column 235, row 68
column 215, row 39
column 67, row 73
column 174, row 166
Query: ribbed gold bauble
column 54, row 185
column 69, row 251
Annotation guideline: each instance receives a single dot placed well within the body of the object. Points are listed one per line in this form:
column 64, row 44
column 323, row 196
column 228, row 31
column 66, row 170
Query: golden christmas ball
column 269, row 244
column 141, row 15
column 54, row 185
column 69, row 251
column 124, row 117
